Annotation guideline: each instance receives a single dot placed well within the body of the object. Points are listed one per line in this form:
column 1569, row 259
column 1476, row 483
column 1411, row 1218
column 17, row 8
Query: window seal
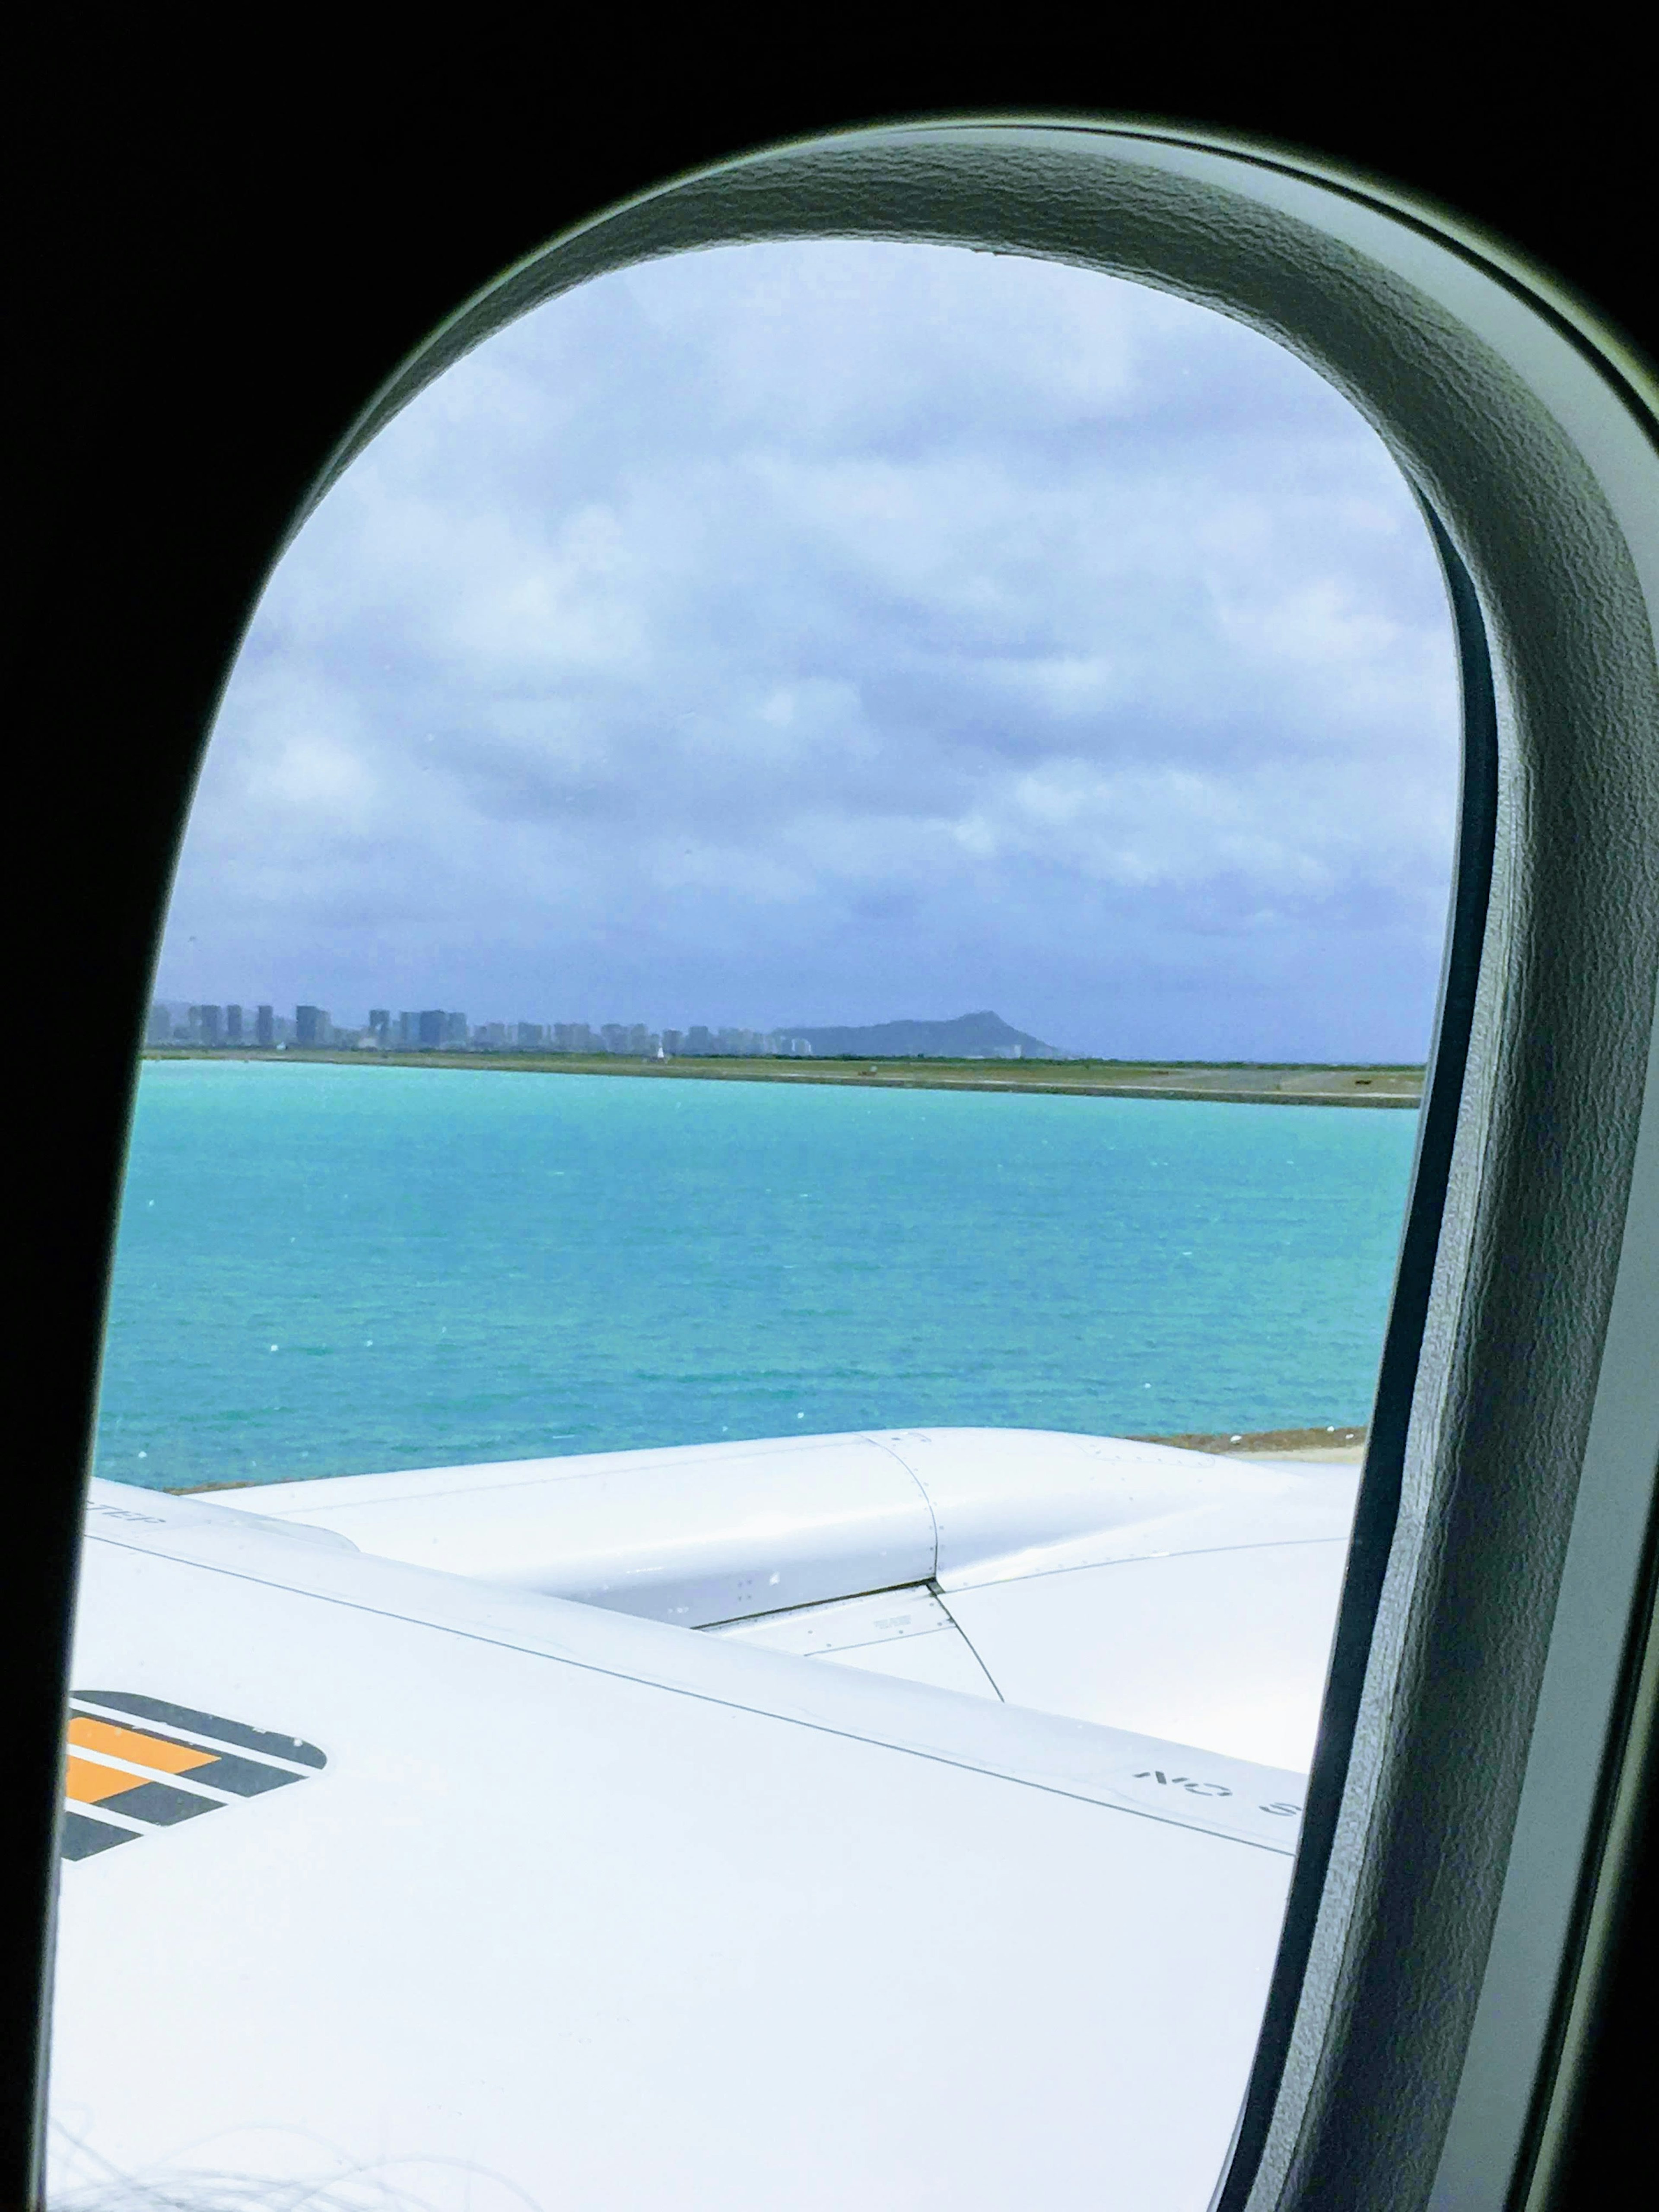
column 1377, row 1509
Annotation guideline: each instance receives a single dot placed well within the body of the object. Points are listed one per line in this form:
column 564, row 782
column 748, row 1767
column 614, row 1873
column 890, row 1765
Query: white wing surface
column 1164, row 1592
column 480, row 1897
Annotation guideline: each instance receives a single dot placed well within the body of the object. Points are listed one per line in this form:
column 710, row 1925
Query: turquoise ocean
column 329, row 1270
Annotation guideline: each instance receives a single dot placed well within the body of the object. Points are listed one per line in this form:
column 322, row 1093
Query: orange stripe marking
column 127, row 1743
column 89, row 1785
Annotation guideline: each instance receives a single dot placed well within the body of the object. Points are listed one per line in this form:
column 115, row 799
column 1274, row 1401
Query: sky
column 788, row 634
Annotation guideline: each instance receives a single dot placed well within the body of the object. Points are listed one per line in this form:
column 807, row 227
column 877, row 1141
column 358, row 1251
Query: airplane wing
column 1026, row 1564
column 399, row 1885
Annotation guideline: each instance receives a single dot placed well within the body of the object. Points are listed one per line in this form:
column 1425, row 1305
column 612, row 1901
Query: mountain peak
column 983, row 1035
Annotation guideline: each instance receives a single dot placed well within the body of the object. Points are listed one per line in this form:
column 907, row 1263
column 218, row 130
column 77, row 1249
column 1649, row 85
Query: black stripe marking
column 183, row 1717
column 243, row 1778
column 163, row 1805
column 84, row 1838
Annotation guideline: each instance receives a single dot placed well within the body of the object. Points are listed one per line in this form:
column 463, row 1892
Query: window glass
column 841, row 841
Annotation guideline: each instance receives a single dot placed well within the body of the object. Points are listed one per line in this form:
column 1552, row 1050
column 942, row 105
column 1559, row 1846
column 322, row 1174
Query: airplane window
column 764, row 1193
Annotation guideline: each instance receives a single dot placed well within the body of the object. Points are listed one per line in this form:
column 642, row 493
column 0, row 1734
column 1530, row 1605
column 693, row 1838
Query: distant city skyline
column 813, row 632
column 233, row 1025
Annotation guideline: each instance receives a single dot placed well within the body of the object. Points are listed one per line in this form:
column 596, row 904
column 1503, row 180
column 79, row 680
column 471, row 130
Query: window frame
column 1548, row 524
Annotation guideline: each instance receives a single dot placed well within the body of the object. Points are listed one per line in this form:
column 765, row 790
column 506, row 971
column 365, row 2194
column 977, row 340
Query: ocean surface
column 327, row 1270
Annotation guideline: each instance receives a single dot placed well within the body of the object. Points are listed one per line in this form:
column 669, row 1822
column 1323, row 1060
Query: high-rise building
column 698, row 1042
column 638, row 1037
column 615, row 1036
column 455, row 1030
column 312, row 1026
column 158, row 1030
column 264, row 1028
column 671, row 1042
column 380, row 1020
column 432, row 1028
column 233, row 1025
column 207, row 1024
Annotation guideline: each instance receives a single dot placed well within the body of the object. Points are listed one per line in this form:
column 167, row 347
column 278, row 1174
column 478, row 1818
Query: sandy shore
column 1085, row 1078
column 1332, row 1447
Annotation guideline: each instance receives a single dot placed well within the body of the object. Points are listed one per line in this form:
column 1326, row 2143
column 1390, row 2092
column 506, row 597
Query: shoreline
column 1335, row 1446
column 1216, row 1083
column 1344, row 1447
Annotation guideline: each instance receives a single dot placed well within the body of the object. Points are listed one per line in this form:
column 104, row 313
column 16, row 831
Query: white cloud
column 840, row 630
